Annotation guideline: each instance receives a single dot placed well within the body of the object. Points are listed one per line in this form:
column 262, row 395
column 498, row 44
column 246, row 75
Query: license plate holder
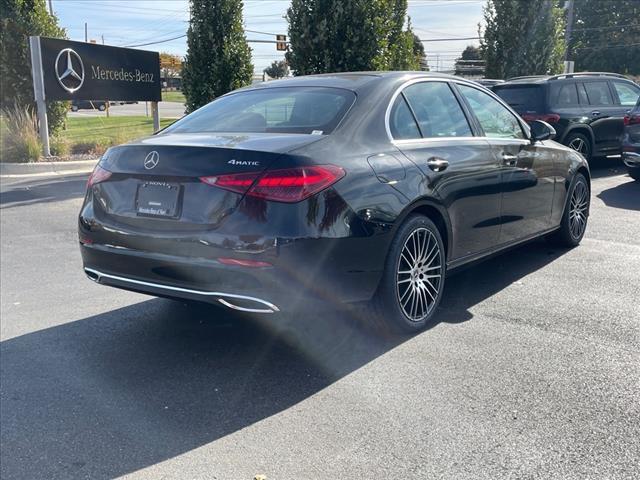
column 158, row 199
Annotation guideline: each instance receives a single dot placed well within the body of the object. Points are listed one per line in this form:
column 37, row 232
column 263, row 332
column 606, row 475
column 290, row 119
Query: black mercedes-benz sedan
column 356, row 187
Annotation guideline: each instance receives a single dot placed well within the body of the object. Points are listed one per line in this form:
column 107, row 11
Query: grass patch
column 173, row 96
column 96, row 134
column 83, row 135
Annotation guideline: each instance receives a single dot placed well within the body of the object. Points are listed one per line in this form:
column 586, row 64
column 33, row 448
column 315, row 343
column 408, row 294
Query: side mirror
column 541, row 131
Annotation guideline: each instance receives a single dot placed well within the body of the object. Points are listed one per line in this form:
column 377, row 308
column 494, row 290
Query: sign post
column 67, row 70
column 156, row 116
column 38, row 89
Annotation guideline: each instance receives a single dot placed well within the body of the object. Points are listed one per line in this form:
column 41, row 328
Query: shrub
column 20, row 141
column 60, row 147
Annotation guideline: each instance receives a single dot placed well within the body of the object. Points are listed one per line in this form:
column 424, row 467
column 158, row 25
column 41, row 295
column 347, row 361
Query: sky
column 137, row 22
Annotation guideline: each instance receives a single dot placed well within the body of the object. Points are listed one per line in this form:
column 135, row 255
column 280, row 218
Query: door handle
column 509, row 159
column 595, row 112
column 437, row 164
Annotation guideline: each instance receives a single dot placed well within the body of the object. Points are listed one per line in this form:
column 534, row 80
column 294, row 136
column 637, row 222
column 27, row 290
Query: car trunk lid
column 155, row 182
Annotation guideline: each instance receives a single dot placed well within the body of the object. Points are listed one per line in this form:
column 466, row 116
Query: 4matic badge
column 243, row 163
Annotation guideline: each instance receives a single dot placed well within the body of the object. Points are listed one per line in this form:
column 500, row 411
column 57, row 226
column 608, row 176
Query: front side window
column 598, row 93
column 316, row 110
column 627, row 94
column 438, row 112
column 496, row 120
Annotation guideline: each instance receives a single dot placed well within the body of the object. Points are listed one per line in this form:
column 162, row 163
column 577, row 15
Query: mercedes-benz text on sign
column 86, row 71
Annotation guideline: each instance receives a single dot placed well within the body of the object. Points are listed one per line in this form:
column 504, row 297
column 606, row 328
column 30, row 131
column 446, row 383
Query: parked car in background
column 88, row 105
column 355, row 187
column 631, row 142
column 586, row 109
column 489, row 82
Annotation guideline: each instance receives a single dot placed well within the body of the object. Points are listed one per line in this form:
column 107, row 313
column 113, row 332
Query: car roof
column 349, row 80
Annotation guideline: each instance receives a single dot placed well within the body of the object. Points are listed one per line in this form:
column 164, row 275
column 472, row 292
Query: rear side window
column 564, row 95
column 598, row 93
column 316, row 110
column 582, row 95
column 627, row 94
column 522, row 98
column 401, row 122
column 438, row 112
column 495, row 119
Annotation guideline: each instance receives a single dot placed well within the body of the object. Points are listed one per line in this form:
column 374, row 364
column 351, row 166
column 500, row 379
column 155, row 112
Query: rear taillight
column 286, row 185
column 545, row 117
column 632, row 119
column 98, row 175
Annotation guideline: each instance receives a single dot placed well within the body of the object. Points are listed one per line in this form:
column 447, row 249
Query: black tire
column 580, row 143
column 386, row 311
column 74, row 108
column 634, row 172
column 569, row 235
column 102, row 107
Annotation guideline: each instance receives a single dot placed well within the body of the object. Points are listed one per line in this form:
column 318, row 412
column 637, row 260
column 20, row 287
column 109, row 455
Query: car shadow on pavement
column 624, row 195
column 30, row 192
column 123, row 390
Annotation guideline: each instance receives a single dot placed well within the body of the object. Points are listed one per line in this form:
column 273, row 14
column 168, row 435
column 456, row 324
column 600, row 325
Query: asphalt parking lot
column 533, row 370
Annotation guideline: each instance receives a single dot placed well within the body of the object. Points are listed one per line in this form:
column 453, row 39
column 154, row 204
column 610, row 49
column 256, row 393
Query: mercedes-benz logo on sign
column 69, row 70
column 151, row 160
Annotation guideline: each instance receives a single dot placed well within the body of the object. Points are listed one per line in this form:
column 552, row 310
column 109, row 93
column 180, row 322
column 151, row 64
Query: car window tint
column 401, row 122
column 598, row 93
column 522, row 98
column 310, row 110
column 564, row 95
column 494, row 118
column 438, row 112
column 582, row 95
column 627, row 94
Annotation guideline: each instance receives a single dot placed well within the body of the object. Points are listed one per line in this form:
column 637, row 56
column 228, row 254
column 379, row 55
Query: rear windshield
column 522, row 98
column 310, row 110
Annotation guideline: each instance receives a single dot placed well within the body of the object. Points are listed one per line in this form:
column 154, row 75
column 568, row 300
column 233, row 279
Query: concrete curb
column 44, row 168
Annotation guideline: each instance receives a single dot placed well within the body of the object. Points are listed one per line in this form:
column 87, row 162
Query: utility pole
column 103, row 39
column 50, row 7
column 568, row 63
column 86, row 36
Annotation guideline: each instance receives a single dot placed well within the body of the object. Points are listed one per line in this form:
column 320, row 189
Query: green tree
column 471, row 53
column 20, row 19
column 419, row 53
column 218, row 56
column 522, row 38
column 606, row 36
column 277, row 69
column 349, row 35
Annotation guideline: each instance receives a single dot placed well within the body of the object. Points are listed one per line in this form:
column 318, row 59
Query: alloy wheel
column 579, row 145
column 578, row 210
column 419, row 274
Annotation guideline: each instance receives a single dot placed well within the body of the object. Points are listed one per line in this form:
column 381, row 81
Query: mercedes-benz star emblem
column 69, row 70
column 151, row 160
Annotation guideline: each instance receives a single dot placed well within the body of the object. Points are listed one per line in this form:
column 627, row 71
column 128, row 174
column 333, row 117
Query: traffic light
column 281, row 44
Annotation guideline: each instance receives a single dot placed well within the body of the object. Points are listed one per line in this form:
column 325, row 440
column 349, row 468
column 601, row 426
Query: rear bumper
column 317, row 270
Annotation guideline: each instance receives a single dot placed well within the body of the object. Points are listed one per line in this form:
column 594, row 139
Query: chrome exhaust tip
column 241, row 303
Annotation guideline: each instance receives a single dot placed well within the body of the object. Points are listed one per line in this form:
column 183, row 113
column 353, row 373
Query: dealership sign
column 86, row 71
column 66, row 70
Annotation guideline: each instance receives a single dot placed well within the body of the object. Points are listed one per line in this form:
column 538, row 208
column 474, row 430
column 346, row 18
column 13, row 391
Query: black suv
column 586, row 109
